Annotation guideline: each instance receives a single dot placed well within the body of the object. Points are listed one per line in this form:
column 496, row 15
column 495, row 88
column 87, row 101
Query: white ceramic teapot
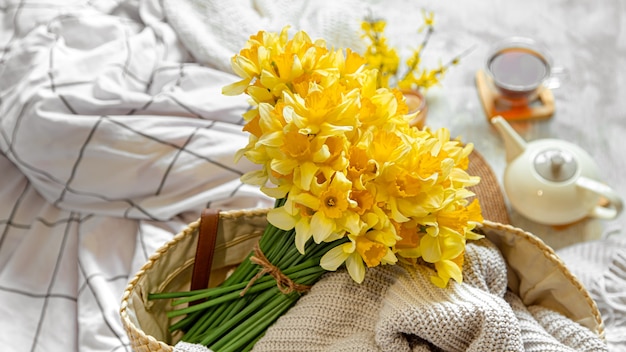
column 552, row 181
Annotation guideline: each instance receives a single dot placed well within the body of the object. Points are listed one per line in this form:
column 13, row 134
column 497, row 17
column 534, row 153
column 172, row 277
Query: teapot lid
column 555, row 165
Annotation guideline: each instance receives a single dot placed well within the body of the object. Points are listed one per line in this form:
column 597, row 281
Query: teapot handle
column 608, row 211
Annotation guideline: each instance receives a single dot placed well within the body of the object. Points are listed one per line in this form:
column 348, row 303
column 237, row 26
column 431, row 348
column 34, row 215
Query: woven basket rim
column 130, row 327
column 551, row 255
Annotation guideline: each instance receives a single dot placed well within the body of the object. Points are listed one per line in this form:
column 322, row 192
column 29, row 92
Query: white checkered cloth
column 111, row 140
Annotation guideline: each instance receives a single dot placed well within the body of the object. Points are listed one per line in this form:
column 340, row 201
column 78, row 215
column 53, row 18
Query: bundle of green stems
column 225, row 319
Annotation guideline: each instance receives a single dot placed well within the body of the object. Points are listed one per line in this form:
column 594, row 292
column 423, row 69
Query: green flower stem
column 195, row 295
column 249, row 329
column 246, row 270
column 294, row 272
column 198, row 325
column 234, row 310
column 241, row 273
column 263, row 300
column 168, row 295
column 250, row 346
column 281, row 244
column 229, row 316
column 217, row 291
column 318, row 250
column 292, row 257
column 250, row 313
column 188, row 322
column 208, row 329
column 205, row 323
column 218, row 300
column 305, row 272
column 255, row 332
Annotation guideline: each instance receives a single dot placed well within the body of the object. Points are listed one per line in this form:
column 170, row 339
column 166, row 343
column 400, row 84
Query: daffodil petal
column 306, row 199
column 431, row 250
column 236, row 88
column 268, row 79
column 322, row 154
column 303, row 234
column 283, row 166
column 276, row 192
column 395, row 212
column 439, row 282
column 260, row 94
column 449, row 269
column 355, row 267
column 244, row 67
column 389, row 258
column 256, row 177
column 296, row 67
column 322, row 227
column 281, row 219
column 453, row 246
column 272, row 139
column 352, row 223
column 334, row 258
column 307, row 173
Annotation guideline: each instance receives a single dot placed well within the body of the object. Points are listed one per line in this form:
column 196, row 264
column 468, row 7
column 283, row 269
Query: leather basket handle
column 207, row 235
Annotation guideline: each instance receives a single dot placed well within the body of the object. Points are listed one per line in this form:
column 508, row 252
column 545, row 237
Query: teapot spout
column 513, row 142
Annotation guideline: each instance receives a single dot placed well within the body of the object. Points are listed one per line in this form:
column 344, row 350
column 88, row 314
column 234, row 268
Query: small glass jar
column 417, row 104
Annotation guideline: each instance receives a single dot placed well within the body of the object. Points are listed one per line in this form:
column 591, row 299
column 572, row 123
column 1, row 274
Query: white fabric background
column 112, row 140
column 114, row 135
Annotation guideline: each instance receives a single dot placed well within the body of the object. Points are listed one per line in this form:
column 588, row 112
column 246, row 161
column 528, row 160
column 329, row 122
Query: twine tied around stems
column 284, row 282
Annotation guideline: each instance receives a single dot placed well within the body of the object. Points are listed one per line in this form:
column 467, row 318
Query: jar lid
column 555, row 165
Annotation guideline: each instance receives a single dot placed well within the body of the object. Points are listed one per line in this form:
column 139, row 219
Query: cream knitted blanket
column 397, row 309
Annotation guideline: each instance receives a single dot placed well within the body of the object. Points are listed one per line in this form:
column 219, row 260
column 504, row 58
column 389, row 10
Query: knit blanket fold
column 397, row 309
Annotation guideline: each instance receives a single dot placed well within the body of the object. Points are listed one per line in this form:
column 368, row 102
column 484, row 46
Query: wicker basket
column 535, row 273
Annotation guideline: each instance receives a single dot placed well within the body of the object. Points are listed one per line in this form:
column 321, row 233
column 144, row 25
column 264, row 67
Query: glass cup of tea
column 520, row 68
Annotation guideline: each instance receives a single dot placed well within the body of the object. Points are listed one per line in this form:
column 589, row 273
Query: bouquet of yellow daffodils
column 354, row 184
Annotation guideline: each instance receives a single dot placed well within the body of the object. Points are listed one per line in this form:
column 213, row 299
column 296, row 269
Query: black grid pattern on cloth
column 64, row 228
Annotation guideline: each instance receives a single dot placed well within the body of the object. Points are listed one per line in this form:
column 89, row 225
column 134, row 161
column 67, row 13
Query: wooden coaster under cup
column 494, row 104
